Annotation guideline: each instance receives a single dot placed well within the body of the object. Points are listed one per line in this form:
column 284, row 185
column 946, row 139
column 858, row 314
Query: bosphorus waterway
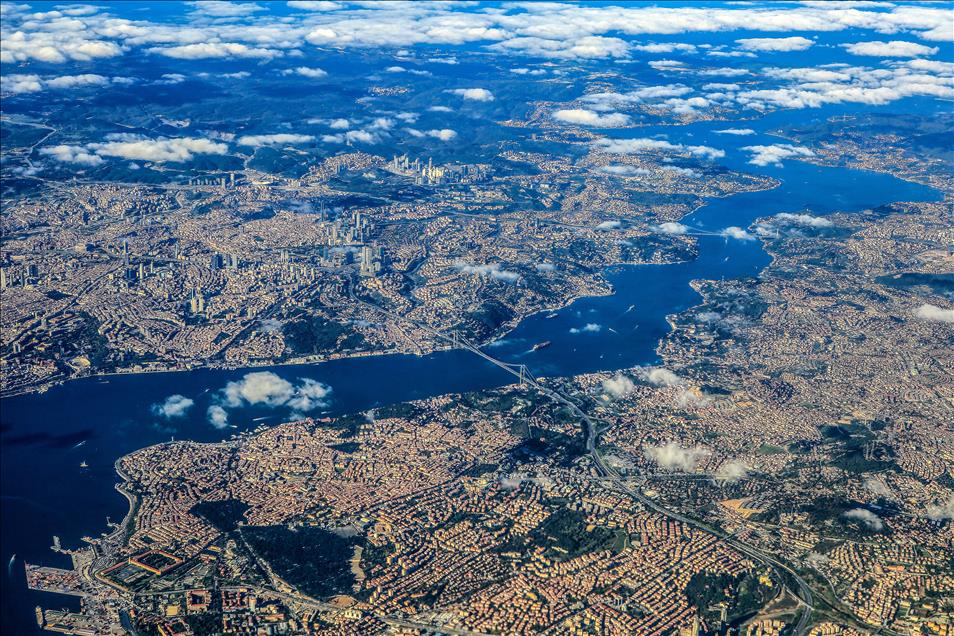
column 45, row 437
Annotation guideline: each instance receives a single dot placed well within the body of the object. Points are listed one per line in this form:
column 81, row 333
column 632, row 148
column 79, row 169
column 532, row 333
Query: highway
column 591, row 431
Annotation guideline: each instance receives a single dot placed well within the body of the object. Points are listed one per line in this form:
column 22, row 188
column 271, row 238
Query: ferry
column 540, row 345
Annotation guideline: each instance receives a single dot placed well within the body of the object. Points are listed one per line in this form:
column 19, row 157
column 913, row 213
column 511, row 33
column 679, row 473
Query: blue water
column 45, row 437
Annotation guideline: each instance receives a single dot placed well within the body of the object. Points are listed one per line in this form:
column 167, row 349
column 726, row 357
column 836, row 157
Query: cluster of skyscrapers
column 429, row 174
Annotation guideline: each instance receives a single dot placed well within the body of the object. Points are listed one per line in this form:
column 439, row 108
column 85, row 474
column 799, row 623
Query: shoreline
column 495, row 336
column 134, row 503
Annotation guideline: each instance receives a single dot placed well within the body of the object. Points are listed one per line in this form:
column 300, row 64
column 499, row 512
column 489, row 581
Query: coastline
column 127, row 525
column 499, row 334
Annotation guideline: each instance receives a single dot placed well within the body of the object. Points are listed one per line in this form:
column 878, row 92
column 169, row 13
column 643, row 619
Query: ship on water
column 540, row 345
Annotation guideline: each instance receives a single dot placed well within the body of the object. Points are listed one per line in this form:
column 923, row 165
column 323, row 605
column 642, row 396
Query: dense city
column 477, row 319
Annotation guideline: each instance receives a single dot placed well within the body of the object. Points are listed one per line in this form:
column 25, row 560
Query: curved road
column 591, row 429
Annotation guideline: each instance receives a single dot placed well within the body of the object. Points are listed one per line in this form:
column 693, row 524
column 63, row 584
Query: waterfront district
column 790, row 466
column 785, row 466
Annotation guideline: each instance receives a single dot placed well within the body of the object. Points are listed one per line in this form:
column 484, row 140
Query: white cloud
column 171, row 78
column 173, row 406
column 73, row 81
column 670, row 227
column 310, row 395
column 721, row 86
column 14, row 84
column 213, row 50
column 689, row 398
column 473, row 94
column 674, row 457
column 273, row 140
column 590, row 327
column 217, row 416
column 815, row 87
column 933, row 66
column 590, row 47
column 666, row 47
column 269, row 389
column 444, row 134
column 658, row 376
column 774, row 154
column 806, row 220
column 491, row 270
column 412, row 71
column 591, row 118
column 72, row 154
column 633, row 146
column 895, row 48
column 941, row 512
column 796, row 43
column 683, row 172
column 314, row 5
column 735, row 131
column 441, row 109
column 934, row 313
column 305, row 71
column 731, row 472
column 224, row 9
column 381, row 123
column 352, row 136
column 623, row 171
column 646, row 94
column 270, row 325
column 259, row 387
column 877, row 487
column 676, row 66
column 339, row 124
column 556, row 31
column 38, row 44
column 158, row 150
column 737, row 233
column 609, row 225
column 618, row 386
column 868, row 518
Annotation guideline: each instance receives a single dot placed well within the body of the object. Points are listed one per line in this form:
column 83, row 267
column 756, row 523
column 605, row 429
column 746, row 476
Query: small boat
column 83, row 464
column 540, row 345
